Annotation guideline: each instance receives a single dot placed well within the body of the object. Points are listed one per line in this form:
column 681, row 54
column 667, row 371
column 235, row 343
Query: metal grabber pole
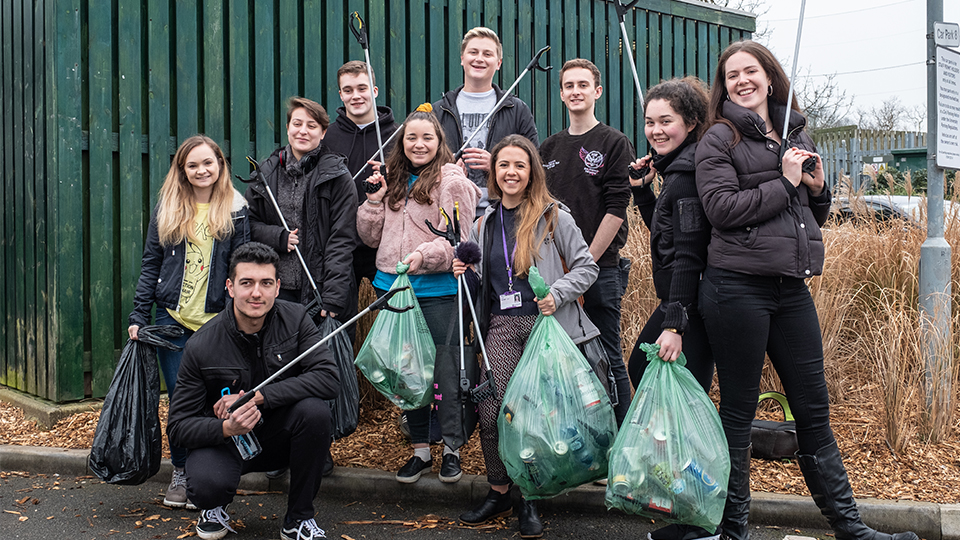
column 360, row 32
column 382, row 302
column 627, row 45
column 534, row 64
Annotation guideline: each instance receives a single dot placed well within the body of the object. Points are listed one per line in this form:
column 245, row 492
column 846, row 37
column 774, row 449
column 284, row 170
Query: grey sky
column 877, row 48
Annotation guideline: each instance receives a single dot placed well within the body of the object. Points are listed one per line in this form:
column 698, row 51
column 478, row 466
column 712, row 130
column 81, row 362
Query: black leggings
column 696, row 348
column 747, row 316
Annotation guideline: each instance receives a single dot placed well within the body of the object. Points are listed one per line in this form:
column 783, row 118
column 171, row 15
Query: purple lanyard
column 505, row 255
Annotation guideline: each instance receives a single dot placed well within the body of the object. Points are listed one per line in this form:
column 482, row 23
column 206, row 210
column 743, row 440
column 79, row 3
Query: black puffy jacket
column 161, row 269
column 220, row 356
column 762, row 225
column 329, row 224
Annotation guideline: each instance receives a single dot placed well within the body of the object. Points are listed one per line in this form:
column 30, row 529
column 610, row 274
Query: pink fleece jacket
column 398, row 233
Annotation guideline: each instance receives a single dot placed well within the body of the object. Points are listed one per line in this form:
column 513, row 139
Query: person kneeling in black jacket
column 252, row 338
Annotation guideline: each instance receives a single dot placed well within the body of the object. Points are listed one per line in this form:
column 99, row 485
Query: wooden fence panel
column 66, row 371
column 9, row 374
column 238, row 64
column 103, row 316
column 96, row 96
column 41, row 98
column 848, row 149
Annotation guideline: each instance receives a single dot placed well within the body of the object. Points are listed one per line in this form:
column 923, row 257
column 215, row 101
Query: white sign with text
column 948, row 108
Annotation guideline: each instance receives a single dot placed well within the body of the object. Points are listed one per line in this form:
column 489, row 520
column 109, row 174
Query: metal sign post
column 935, row 302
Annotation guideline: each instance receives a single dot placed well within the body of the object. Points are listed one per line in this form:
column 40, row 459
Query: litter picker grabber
column 379, row 303
column 622, row 8
column 809, row 164
column 311, row 308
column 379, row 151
column 360, row 32
column 534, row 64
column 621, row 13
column 452, row 235
column 487, row 388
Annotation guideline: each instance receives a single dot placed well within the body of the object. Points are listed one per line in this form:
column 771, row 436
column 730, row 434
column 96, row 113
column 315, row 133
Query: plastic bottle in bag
column 247, row 444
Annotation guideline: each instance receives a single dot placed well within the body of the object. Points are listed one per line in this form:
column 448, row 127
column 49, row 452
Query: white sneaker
column 214, row 524
column 302, row 530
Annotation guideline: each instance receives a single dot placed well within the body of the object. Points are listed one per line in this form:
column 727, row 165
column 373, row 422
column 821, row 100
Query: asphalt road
column 67, row 508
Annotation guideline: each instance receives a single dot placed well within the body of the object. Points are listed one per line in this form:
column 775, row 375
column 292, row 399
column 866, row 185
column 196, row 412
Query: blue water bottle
column 247, row 444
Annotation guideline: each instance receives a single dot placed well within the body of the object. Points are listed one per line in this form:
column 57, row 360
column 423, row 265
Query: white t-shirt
column 474, row 107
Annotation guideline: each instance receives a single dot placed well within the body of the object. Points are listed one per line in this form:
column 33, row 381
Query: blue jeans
column 170, row 366
column 601, row 302
column 747, row 316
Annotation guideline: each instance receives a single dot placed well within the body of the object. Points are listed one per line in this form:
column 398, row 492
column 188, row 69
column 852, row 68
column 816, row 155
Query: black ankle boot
column 530, row 524
column 736, row 510
column 494, row 506
column 827, row 480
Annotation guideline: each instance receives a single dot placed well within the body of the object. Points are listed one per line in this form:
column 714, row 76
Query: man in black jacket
column 462, row 110
column 252, row 338
column 354, row 135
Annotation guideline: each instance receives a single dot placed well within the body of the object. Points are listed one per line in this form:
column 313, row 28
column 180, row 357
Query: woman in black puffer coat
column 766, row 209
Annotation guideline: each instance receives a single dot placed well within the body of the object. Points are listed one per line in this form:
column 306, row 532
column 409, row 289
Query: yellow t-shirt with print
column 196, row 275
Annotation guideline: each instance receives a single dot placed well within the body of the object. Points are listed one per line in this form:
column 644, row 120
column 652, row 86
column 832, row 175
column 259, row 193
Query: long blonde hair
column 535, row 199
column 178, row 204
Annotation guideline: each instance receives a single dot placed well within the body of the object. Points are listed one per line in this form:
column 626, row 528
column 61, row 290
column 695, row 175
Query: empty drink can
column 694, row 470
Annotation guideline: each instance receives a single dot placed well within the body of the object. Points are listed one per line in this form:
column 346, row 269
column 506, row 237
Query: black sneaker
column 682, row 532
column 412, row 470
column 214, row 523
column 450, row 470
column 273, row 475
column 302, row 530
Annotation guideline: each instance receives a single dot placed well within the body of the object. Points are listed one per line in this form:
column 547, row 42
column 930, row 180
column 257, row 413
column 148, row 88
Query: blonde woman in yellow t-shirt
column 198, row 222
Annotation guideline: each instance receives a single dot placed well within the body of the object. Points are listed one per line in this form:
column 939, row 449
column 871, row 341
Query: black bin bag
column 127, row 445
column 345, row 408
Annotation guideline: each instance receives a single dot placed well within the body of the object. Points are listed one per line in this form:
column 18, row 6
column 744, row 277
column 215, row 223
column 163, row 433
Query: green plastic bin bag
column 556, row 423
column 399, row 354
column 670, row 459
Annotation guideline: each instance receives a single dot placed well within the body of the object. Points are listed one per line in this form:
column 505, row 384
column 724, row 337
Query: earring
column 770, row 90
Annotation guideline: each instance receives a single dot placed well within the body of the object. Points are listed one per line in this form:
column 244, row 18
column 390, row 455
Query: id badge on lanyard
column 510, row 299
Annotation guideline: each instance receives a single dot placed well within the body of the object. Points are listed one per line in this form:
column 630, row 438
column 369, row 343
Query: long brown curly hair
column 399, row 167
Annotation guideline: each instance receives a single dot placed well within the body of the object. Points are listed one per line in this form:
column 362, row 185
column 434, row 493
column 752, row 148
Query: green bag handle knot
column 782, row 400
column 539, row 286
column 652, row 349
column 402, row 268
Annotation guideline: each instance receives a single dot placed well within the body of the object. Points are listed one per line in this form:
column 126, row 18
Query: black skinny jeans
column 747, row 316
column 696, row 348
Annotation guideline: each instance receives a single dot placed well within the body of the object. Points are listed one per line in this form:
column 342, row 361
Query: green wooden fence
column 95, row 96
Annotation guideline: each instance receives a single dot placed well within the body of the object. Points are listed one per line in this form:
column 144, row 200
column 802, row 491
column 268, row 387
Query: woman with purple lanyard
column 524, row 226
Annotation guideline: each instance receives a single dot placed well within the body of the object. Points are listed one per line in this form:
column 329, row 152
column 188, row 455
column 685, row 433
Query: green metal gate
column 95, row 96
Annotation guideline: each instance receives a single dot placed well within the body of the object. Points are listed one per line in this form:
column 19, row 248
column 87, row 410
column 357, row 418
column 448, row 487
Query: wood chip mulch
column 923, row 472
